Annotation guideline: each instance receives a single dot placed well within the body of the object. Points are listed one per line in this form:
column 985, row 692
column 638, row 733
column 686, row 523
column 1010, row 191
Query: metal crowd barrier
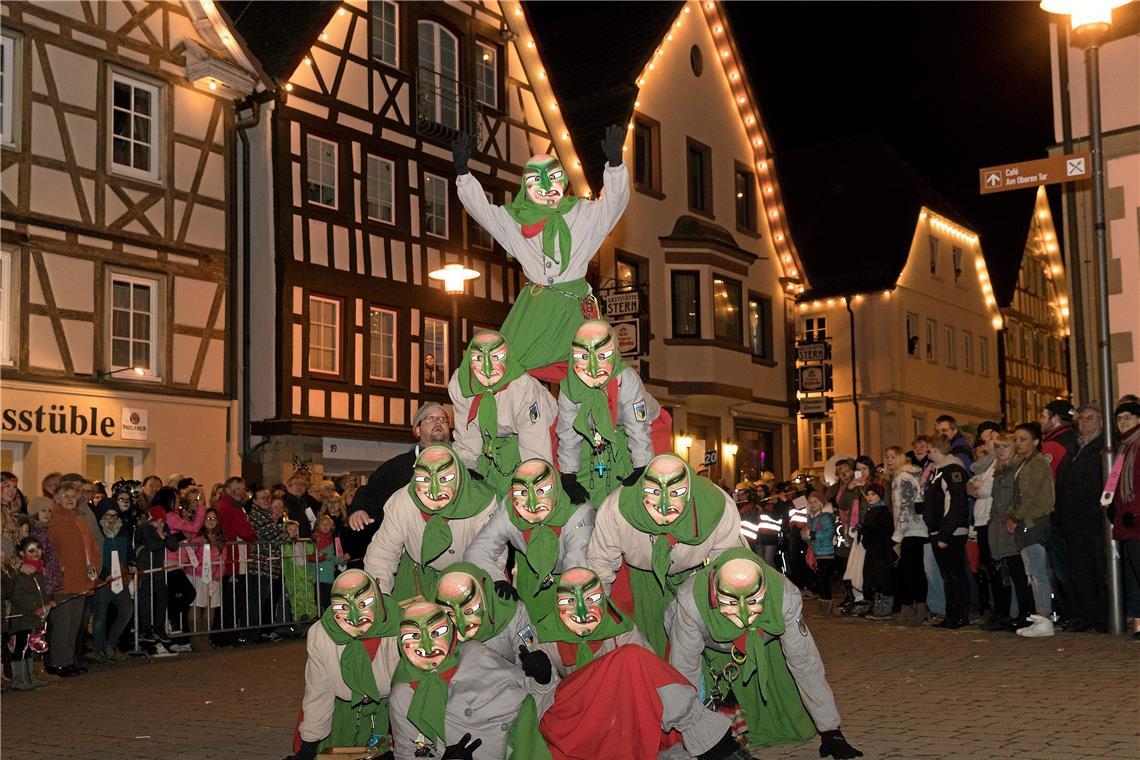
column 223, row 590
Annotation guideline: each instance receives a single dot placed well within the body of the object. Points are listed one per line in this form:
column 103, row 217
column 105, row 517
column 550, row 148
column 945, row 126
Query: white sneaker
column 179, row 647
column 161, row 651
column 1040, row 627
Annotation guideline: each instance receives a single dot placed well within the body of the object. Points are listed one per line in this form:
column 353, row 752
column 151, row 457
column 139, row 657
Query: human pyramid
column 634, row 623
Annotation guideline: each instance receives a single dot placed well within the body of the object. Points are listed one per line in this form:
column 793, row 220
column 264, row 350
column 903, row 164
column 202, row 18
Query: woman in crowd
column 11, row 498
column 981, row 486
column 1003, row 548
column 216, row 493
column 904, row 492
column 183, row 521
column 332, row 504
column 1028, row 519
column 1124, row 485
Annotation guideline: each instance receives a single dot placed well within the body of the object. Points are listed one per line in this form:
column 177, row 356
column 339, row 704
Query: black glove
column 575, row 490
column 308, row 751
column 612, row 144
column 505, row 590
column 633, row 477
column 832, row 744
column 475, row 474
column 461, row 153
column 728, row 748
column 535, row 664
column 461, row 750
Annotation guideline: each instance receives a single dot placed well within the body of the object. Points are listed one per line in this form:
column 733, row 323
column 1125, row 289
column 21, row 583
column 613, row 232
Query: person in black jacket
column 430, row 425
column 946, row 513
column 1080, row 518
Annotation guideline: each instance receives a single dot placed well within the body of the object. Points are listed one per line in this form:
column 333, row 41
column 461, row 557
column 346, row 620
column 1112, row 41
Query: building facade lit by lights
column 116, row 324
column 703, row 240
column 1035, row 337
column 900, row 290
column 1120, row 124
column 353, row 205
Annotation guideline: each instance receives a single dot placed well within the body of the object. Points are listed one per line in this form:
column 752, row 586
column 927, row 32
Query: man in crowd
column 235, row 526
column 301, row 505
column 960, row 447
column 50, row 483
column 80, row 561
column 1079, row 518
column 947, row 518
column 150, row 486
column 1059, row 445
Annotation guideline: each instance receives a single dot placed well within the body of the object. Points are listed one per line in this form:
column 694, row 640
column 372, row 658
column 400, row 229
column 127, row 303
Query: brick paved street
column 903, row 694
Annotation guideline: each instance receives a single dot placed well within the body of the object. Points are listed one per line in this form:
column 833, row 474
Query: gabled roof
column 856, row 202
column 594, row 53
column 278, row 35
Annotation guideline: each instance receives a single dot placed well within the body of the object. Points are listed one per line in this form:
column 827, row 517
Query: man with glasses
column 430, row 425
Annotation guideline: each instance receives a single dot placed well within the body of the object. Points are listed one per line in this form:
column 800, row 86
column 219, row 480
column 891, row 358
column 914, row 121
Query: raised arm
column 607, row 210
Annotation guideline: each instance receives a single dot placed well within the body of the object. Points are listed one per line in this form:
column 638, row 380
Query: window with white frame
column 7, row 302
column 984, row 356
column 968, row 350
column 822, row 441
column 382, row 344
column 135, row 126
column 385, row 40
column 324, row 335
column 931, row 340
column 381, row 190
column 438, row 74
column 8, row 81
column 113, row 463
column 436, row 352
column 320, row 167
column 12, row 455
column 911, row 334
column 435, row 205
column 815, row 328
column 950, row 338
column 134, row 324
column 933, row 242
column 487, row 74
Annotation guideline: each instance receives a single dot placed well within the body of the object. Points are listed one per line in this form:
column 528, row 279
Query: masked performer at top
column 428, row 525
column 554, row 236
column 650, row 536
column 737, row 632
column 502, row 414
column 608, row 426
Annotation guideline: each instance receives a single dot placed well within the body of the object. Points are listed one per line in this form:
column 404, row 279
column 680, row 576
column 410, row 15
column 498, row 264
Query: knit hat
column 987, row 425
column 186, row 483
column 1090, row 407
column 1127, row 406
column 1061, row 408
column 875, row 488
column 157, row 513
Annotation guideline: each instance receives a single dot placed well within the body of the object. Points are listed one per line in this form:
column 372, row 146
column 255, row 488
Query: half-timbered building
column 115, row 333
column 353, row 205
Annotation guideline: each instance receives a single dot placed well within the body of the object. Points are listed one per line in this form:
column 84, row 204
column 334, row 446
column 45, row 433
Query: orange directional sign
column 1046, row 171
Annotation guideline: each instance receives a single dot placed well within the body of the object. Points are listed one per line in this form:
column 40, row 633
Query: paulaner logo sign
column 59, row 419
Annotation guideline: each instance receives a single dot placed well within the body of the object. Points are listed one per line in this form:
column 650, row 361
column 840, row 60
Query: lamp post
column 1090, row 20
column 454, row 278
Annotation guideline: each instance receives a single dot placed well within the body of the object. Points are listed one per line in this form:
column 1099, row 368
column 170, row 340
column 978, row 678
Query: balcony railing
column 445, row 106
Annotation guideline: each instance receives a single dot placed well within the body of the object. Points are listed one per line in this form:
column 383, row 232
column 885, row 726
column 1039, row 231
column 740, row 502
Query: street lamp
column 1090, row 19
column 102, row 375
column 454, row 276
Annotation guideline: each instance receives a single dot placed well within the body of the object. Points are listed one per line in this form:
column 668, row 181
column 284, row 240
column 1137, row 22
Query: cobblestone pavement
column 903, row 693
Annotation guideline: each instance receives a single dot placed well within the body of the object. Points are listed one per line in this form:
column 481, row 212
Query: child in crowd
column 202, row 560
column 821, row 532
column 326, row 556
column 28, row 606
column 878, row 564
column 298, row 580
column 152, row 541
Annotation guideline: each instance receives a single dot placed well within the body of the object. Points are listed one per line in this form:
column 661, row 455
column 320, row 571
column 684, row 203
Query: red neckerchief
column 741, row 641
column 530, row 230
column 568, row 651
column 427, row 517
column 371, row 646
column 474, row 410
column 612, row 397
column 446, row 675
column 556, row 528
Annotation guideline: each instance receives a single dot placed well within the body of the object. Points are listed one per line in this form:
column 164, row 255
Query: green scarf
column 526, row 212
column 488, row 414
column 524, row 742
column 499, row 611
column 614, row 623
column 765, row 689
column 428, row 709
column 592, row 404
column 349, row 726
column 543, row 547
column 471, row 498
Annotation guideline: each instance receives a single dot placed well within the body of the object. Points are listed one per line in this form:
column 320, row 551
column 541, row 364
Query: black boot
column 726, row 749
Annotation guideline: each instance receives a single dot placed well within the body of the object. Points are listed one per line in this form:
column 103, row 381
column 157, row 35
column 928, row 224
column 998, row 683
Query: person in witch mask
column 429, row 524
column 444, row 694
column 352, row 654
column 554, row 235
column 502, row 415
column 547, row 531
column 720, row 629
column 609, row 427
column 583, row 631
column 657, row 532
column 467, row 594
column 113, row 589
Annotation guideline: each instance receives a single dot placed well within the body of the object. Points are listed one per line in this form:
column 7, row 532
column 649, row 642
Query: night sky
column 951, row 86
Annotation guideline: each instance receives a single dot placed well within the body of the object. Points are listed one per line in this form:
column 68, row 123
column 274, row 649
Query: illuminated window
column 745, row 200
column 726, row 310
column 822, row 441
column 815, row 329
column 686, row 304
column 133, row 330
column 8, row 79
column 487, row 74
column 324, row 335
column 436, row 370
column 760, row 326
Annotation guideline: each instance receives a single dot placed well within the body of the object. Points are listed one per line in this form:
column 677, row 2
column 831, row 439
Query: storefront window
column 755, row 453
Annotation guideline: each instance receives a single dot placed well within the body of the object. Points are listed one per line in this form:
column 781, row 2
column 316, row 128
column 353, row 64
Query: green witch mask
column 462, row 596
column 534, row 490
column 436, row 477
column 665, row 488
column 580, row 601
column 545, row 180
column 488, row 358
column 740, row 588
column 593, row 353
column 426, row 635
column 354, row 600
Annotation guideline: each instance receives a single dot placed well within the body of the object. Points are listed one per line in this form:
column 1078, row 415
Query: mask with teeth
column 426, row 635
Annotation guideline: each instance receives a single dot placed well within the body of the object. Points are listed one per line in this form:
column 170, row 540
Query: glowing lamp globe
column 454, row 277
column 1087, row 15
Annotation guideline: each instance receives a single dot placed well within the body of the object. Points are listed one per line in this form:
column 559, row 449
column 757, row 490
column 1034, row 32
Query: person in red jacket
column 1060, row 440
column 1122, row 491
column 235, row 527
